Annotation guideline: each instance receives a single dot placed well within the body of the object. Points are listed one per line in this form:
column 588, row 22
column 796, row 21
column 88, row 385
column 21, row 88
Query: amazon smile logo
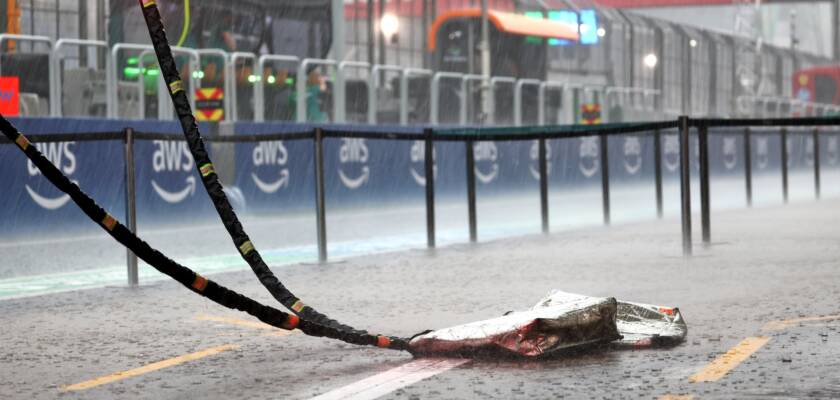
column 761, row 152
column 486, row 153
column 632, row 155
column 730, row 152
column 353, row 152
column 273, row 154
column 534, row 154
column 172, row 156
column 831, row 149
column 61, row 154
column 418, row 156
column 671, row 152
column 589, row 159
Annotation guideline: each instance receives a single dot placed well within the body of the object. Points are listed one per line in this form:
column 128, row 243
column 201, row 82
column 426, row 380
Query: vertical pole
column 817, row 162
column 657, row 170
column 471, row 190
column 130, row 204
column 784, row 148
column 338, row 31
column 424, row 21
column 685, row 185
column 835, row 28
column 379, row 35
column 748, row 165
column 605, row 177
column 320, row 204
column 705, row 206
column 430, row 188
column 543, row 184
column 484, row 47
column 370, row 36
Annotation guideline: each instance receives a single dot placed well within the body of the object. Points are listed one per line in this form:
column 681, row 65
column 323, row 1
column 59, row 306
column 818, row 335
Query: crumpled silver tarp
column 561, row 321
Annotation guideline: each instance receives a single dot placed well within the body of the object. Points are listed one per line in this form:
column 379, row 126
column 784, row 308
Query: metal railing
column 643, row 100
column 113, row 77
column 471, row 136
column 259, row 88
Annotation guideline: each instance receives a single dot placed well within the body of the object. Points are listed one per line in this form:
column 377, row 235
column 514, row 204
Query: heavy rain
column 360, row 199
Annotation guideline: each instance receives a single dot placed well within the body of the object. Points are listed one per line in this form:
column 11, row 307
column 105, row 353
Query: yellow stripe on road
column 272, row 331
column 779, row 325
column 677, row 397
column 149, row 368
column 245, row 324
column 729, row 360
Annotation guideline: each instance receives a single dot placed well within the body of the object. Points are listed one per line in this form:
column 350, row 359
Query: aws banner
column 36, row 206
column 275, row 176
column 166, row 181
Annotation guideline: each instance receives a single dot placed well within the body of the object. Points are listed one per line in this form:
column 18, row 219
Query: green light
column 151, row 72
column 253, row 78
column 290, row 81
column 271, row 79
column 131, row 61
column 131, row 72
column 198, row 74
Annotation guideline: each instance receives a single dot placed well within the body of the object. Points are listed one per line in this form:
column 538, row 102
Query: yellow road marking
column 149, row 368
column 245, row 323
column 677, row 397
column 235, row 321
column 729, row 360
column 782, row 324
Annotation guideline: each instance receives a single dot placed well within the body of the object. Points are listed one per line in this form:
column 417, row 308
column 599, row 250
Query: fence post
column 705, row 206
column 131, row 204
column 543, row 184
column 784, row 148
column 471, row 190
column 430, row 188
column 748, row 165
column 657, row 170
column 685, row 185
column 320, row 204
column 605, row 177
column 817, row 162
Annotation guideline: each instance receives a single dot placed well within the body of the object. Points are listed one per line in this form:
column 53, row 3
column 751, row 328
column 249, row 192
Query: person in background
column 315, row 85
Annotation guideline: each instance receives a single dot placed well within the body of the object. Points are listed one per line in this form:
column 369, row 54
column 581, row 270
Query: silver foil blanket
column 560, row 322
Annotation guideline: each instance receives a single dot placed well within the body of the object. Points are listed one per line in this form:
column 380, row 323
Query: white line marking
column 381, row 384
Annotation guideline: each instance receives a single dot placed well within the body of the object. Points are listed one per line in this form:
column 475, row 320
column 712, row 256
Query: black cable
column 180, row 273
column 214, row 187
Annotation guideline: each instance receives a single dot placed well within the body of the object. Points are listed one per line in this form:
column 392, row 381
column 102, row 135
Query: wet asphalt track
column 765, row 265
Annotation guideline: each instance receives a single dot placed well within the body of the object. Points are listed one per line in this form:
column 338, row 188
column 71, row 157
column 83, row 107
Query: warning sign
column 590, row 114
column 9, row 96
column 210, row 104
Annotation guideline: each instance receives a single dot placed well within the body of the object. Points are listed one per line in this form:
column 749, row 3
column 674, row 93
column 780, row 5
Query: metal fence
column 248, row 99
column 469, row 136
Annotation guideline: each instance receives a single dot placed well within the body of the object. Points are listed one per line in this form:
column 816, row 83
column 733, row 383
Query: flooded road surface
column 760, row 303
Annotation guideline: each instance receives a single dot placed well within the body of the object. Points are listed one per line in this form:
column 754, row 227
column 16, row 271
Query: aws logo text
column 61, row 154
column 272, row 154
column 353, row 152
column 418, row 158
column 173, row 157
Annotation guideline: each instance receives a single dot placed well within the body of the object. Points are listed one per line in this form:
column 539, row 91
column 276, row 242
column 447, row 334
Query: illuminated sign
column 586, row 22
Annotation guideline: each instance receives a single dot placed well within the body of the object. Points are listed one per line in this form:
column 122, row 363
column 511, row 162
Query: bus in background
column 519, row 44
column 817, row 84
